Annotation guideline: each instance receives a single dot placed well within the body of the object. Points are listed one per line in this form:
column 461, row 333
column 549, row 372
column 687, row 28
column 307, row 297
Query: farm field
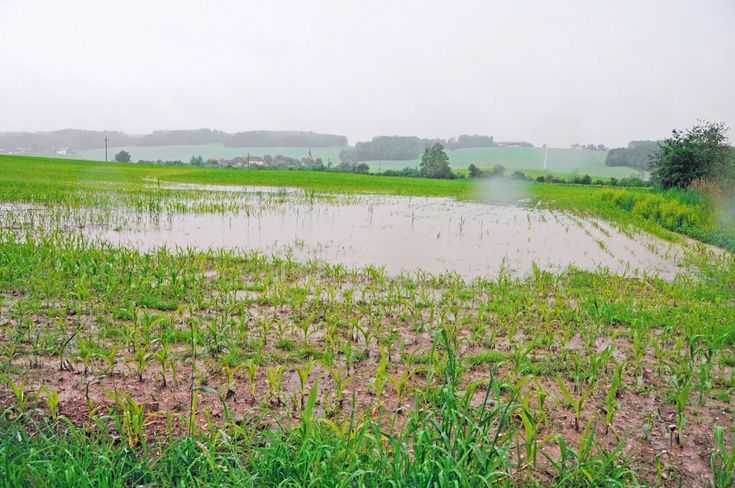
column 185, row 152
column 561, row 162
column 195, row 326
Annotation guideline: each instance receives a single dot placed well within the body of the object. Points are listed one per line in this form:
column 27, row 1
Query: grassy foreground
column 219, row 368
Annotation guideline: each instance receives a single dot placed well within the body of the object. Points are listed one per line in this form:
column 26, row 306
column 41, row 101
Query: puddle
column 410, row 234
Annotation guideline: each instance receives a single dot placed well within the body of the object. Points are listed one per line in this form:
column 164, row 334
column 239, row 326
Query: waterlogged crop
column 211, row 367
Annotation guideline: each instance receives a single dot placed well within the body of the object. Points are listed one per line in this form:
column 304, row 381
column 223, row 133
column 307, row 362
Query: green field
column 560, row 161
column 122, row 368
column 185, row 153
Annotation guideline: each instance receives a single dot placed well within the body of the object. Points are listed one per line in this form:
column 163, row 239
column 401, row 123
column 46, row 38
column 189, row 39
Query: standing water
column 410, row 234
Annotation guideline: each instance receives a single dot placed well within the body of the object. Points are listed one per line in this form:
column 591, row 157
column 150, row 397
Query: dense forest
column 86, row 139
column 636, row 155
column 405, row 148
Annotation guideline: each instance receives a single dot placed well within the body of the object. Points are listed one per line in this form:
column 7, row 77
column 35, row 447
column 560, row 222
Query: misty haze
column 367, row 244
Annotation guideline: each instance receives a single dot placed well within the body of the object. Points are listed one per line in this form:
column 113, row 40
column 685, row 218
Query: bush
column 699, row 152
column 122, row 157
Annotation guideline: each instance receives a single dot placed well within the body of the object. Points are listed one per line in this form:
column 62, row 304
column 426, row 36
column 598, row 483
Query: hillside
column 72, row 140
column 530, row 159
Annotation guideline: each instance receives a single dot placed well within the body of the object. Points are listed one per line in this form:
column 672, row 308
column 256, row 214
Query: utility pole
column 105, row 149
column 546, row 157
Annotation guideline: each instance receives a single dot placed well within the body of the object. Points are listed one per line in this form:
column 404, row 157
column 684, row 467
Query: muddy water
column 410, row 234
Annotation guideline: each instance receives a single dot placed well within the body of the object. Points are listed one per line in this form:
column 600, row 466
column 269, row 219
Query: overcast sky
column 554, row 72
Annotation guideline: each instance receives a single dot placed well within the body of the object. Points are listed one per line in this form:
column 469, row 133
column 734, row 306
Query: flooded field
column 408, row 234
column 251, row 328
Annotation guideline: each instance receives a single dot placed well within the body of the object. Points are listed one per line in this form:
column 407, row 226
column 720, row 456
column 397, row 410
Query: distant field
column 560, row 161
column 184, row 153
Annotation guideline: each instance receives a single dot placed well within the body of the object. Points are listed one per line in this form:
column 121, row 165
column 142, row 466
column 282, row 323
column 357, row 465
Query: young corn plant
column 306, row 325
column 163, row 358
column 230, row 372
column 130, row 418
column 682, row 386
column 574, row 402
column 64, row 363
column 86, row 353
column 141, row 358
column 611, row 403
column 380, row 378
column 347, row 352
column 639, row 351
column 597, row 364
column 274, row 375
column 307, row 412
column 400, row 386
column 109, row 357
column 174, row 367
column 303, row 373
column 530, row 430
column 20, row 394
column 367, row 335
column 51, row 397
column 7, row 354
column 92, row 410
column 341, row 379
column 722, row 461
column 250, row 369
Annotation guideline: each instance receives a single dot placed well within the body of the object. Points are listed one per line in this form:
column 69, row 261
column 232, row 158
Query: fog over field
column 549, row 72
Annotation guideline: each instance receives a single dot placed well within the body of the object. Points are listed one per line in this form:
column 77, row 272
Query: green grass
column 20, row 173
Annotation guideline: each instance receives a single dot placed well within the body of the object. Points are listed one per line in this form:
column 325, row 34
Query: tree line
column 694, row 156
column 636, row 155
column 406, row 148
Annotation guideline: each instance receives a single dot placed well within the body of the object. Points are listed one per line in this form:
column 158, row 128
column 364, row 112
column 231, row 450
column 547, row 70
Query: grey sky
column 557, row 72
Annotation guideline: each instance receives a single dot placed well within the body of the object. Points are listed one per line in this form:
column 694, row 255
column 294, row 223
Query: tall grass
column 686, row 212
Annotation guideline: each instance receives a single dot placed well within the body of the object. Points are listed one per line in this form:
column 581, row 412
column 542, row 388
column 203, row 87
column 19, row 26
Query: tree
column 701, row 152
column 435, row 163
column 498, row 170
column 474, row 171
column 122, row 157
